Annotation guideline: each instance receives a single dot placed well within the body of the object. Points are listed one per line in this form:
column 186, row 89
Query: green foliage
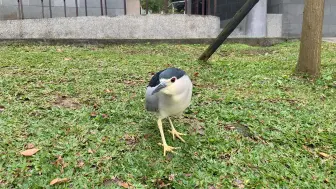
column 155, row 5
column 251, row 122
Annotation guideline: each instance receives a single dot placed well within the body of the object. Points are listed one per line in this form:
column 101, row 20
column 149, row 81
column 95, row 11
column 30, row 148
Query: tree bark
column 165, row 6
column 311, row 38
column 228, row 29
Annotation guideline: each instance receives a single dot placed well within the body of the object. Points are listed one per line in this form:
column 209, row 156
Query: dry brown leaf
column 95, row 106
column 212, row 187
column 90, row 151
column 80, row 164
column 238, row 183
column 59, row 180
column 30, row 146
column 2, row 108
column 124, row 184
column 105, row 116
column 59, row 50
column 196, row 74
column 171, row 177
column 107, row 91
column 66, row 59
column 324, row 155
column 93, row 114
column 59, row 161
column 30, row 152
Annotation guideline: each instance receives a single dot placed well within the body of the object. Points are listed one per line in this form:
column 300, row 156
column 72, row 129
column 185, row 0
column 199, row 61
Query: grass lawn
column 252, row 123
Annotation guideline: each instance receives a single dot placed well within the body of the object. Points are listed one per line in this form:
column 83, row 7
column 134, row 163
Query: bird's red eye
column 173, row 79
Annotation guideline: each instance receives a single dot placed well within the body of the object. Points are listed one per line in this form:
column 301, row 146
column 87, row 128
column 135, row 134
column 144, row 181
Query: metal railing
column 103, row 6
column 199, row 7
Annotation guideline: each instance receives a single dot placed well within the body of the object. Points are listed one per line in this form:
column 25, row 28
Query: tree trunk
column 311, row 38
column 228, row 29
column 165, row 6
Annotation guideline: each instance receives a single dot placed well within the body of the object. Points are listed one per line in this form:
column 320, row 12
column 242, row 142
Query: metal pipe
column 125, row 11
column 19, row 8
column 64, row 8
column 101, row 8
column 146, row 6
column 42, row 8
column 85, row 7
column 76, row 4
column 50, row 12
column 105, row 7
column 203, row 7
column 208, row 8
column 215, row 7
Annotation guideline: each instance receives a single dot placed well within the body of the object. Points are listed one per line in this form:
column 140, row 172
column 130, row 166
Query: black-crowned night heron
column 168, row 94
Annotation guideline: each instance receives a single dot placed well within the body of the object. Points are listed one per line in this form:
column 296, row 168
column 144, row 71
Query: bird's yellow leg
column 166, row 148
column 174, row 132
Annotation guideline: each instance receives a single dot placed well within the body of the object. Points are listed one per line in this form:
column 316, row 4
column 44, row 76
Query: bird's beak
column 159, row 87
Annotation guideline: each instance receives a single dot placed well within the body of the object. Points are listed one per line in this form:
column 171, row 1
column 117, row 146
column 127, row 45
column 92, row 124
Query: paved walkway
column 330, row 39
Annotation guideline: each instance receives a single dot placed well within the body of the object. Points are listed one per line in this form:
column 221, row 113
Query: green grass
column 252, row 122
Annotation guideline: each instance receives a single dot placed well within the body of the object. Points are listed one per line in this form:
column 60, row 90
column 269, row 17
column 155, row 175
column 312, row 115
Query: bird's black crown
column 166, row 74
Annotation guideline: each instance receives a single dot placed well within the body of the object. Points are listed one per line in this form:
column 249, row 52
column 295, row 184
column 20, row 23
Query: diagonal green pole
column 228, row 29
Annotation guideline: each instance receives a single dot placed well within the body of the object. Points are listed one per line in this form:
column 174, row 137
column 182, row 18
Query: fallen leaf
column 59, row 180
column 95, row 106
column 107, row 91
column 201, row 130
column 212, row 187
column 130, row 139
column 93, row 114
column 30, row 146
column 188, row 174
column 59, row 161
column 117, row 181
column 105, row 116
column 326, row 180
column 80, row 164
column 124, row 184
column 238, row 183
column 66, row 59
column 324, row 155
column 171, row 177
column 30, row 152
column 196, row 74
column 2, row 108
column 229, row 127
column 90, row 151
column 146, row 136
column 59, row 50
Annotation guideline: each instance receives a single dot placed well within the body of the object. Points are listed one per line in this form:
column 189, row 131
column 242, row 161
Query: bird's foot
column 167, row 148
column 177, row 134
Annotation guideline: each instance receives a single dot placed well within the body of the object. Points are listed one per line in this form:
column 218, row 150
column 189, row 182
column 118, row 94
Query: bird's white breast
column 177, row 102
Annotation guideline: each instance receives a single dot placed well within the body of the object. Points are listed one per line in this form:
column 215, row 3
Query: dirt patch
column 66, row 102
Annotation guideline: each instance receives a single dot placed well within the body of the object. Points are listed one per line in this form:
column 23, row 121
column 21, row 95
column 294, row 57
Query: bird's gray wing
column 152, row 101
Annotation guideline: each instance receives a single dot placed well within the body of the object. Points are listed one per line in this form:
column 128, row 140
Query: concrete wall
column 292, row 11
column 120, row 27
column 33, row 8
column 274, row 26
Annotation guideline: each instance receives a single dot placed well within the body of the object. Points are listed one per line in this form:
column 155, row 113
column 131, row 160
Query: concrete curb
column 81, row 42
